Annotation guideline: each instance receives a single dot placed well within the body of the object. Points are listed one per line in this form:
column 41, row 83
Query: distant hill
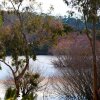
column 78, row 24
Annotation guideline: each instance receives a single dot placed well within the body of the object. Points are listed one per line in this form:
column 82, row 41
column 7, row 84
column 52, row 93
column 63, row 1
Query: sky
column 60, row 8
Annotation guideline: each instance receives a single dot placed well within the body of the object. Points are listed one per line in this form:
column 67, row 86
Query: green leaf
column 34, row 57
column 1, row 20
column 0, row 67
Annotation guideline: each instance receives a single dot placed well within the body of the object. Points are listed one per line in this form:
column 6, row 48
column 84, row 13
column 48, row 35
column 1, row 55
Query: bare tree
column 74, row 61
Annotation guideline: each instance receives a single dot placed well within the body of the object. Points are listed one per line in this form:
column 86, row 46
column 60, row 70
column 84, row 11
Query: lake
column 43, row 65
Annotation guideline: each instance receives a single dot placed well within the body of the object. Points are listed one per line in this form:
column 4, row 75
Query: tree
column 22, row 22
column 90, row 10
column 16, row 40
column 10, row 94
column 28, row 87
column 1, row 18
column 74, row 62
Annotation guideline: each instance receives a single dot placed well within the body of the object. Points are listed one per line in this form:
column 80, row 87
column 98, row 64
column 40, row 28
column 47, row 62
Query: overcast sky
column 60, row 8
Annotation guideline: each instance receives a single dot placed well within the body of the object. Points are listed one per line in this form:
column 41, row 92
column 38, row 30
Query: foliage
column 10, row 94
column 13, row 37
column 23, row 22
column 29, row 97
column 29, row 84
column 18, row 25
column 39, row 29
column 1, row 20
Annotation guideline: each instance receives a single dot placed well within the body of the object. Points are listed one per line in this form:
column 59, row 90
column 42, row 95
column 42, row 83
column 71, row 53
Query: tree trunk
column 17, row 92
column 17, row 88
column 95, row 97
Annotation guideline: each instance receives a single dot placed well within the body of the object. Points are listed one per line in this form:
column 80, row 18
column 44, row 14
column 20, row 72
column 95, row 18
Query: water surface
column 43, row 65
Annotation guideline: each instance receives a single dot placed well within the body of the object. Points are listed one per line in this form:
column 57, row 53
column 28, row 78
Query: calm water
column 43, row 65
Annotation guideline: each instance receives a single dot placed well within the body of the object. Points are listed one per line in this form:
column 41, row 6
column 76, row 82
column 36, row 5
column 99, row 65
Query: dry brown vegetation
column 74, row 61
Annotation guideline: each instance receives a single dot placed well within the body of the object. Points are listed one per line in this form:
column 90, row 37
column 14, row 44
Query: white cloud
column 60, row 7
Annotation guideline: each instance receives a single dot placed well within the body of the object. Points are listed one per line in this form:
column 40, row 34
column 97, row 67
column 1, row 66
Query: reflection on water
column 43, row 65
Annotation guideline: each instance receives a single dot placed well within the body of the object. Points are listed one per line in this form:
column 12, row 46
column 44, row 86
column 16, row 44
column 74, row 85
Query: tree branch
column 9, row 67
column 13, row 5
column 19, row 5
column 23, row 71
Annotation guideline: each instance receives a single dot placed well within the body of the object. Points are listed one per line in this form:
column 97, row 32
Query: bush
column 74, row 61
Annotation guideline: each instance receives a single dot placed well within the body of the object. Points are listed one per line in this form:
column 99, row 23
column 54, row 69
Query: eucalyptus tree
column 14, row 36
column 90, row 11
column 17, row 42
